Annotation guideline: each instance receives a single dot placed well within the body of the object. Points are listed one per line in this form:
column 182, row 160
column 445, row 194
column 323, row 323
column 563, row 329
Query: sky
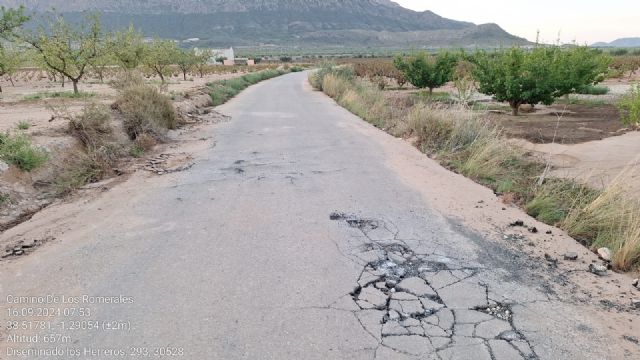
column 583, row 21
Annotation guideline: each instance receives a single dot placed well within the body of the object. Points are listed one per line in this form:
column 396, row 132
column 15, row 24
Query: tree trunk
column 63, row 79
column 75, row 87
column 184, row 74
column 161, row 76
column 0, row 88
column 515, row 108
column 430, row 91
column 11, row 79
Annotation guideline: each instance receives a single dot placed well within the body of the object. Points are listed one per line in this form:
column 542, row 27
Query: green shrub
column 137, row 151
column 17, row 150
column 145, row 111
column 629, row 106
column 593, row 90
column 23, row 125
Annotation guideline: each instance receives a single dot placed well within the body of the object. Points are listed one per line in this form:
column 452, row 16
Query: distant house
column 220, row 56
column 227, row 56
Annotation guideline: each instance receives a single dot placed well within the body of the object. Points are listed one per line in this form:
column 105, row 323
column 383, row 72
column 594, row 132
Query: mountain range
column 623, row 42
column 347, row 23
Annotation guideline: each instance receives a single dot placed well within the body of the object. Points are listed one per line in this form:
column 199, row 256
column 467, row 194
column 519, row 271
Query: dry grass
column 100, row 154
column 92, row 127
column 611, row 219
column 487, row 158
column 81, row 168
column 432, row 125
column 144, row 108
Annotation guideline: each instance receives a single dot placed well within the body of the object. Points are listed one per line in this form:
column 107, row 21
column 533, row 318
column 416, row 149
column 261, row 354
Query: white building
column 227, row 54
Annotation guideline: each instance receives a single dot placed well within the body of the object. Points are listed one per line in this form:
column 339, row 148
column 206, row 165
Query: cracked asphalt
column 292, row 239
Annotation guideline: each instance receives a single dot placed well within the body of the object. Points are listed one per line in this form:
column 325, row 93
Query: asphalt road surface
column 291, row 239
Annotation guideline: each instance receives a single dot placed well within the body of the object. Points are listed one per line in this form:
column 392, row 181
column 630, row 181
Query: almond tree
column 578, row 67
column 10, row 61
column 69, row 50
column 540, row 75
column 10, row 19
column 128, row 48
column 186, row 60
column 424, row 71
column 202, row 60
column 517, row 76
column 159, row 55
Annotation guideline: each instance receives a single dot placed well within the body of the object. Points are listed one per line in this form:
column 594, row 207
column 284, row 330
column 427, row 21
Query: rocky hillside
column 282, row 22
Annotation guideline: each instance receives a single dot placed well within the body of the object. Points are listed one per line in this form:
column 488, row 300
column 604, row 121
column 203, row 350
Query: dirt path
column 305, row 233
column 596, row 162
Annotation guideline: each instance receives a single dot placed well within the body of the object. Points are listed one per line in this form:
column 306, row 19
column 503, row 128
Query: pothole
column 501, row 311
column 169, row 163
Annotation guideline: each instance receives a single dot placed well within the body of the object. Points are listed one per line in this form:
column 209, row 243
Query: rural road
column 292, row 238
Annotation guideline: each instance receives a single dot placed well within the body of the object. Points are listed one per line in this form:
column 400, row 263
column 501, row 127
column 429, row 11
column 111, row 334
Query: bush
column 145, row 111
column 17, row 150
column 334, row 85
column 593, row 90
column 317, row 77
column 82, row 169
column 431, row 125
column 127, row 79
column 92, row 127
column 630, row 107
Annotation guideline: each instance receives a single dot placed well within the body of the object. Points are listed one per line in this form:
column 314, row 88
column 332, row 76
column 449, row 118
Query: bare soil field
column 564, row 124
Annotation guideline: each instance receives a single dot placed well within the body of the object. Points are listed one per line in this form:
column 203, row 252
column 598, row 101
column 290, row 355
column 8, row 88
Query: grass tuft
column 612, row 219
column 17, row 150
column 23, row 125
